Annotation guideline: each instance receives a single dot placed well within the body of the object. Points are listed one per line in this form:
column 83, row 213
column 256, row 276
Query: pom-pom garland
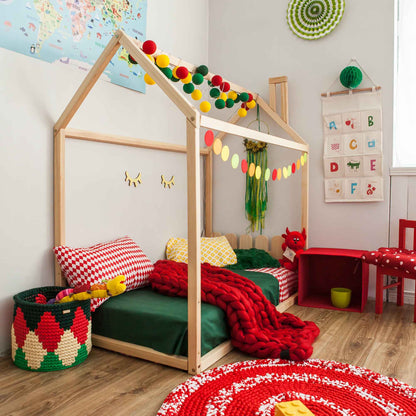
column 197, row 79
column 202, row 69
column 216, row 80
column 187, row 79
column 214, row 93
column 251, row 104
column 351, row 77
column 225, row 86
column 181, row 72
column 237, row 99
column 148, row 80
column 196, row 95
column 149, row 47
column 189, row 88
column 223, row 96
column 205, row 106
column 229, row 103
column 168, row 72
column 174, row 79
column 220, row 104
column 244, row 97
column 242, row 112
column 151, row 58
column 232, row 95
column 250, row 97
column 162, row 61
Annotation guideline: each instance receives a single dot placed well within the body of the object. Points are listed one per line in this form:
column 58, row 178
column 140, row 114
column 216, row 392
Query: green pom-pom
column 229, row 103
column 202, row 69
column 167, row 71
column 244, row 97
column 210, row 83
column 220, row 104
column 189, row 88
column 351, row 77
column 238, row 99
column 174, row 79
column 214, row 93
column 197, row 79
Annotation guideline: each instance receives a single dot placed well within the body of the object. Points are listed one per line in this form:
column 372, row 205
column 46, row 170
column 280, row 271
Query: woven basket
column 49, row 337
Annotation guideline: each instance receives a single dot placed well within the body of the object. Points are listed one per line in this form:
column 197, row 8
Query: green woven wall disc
column 351, row 77
column 313, row 19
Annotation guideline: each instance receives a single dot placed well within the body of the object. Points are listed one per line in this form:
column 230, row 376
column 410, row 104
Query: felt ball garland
column 229, row 103
column 168, row 72
column 214, row 93
column 189, row 88
column 181, row 72
column 220, row 104
column 244, row 97
column 187, row 79
column 149, row 47
column 196, row 95
column 197, row 79
column 162, row 61
column 148, row 80
column 225, row 86
column 205, row 106
column 216, row 80
column 202, row 69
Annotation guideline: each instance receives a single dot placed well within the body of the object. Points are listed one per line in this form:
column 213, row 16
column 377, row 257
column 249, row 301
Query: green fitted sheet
column 147, row 318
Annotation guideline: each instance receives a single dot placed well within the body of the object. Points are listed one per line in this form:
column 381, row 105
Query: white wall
column 250, row 42
column 32, row 96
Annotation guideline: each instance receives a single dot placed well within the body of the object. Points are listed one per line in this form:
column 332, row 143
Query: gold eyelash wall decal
column 135, row 181
column 169, row 183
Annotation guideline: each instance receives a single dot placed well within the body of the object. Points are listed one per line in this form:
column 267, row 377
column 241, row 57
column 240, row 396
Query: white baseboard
column 409, row 297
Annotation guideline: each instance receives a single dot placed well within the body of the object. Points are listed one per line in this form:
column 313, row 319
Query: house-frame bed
column 194, row 363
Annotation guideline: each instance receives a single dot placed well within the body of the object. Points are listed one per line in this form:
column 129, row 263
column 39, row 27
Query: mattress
column 288, row 280
column 144, row 317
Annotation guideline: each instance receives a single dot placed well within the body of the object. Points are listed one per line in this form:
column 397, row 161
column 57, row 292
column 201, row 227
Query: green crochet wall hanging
column 314, row 19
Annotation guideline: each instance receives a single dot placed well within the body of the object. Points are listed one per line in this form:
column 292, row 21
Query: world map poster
column 74, row 33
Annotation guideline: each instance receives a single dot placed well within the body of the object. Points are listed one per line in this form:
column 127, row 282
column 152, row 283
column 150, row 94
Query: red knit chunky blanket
column 257, row 328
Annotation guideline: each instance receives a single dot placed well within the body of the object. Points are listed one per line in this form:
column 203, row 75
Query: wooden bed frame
column 194, row 363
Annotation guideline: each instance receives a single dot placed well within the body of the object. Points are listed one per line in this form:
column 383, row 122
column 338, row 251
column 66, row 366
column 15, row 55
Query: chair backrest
column 403, row 225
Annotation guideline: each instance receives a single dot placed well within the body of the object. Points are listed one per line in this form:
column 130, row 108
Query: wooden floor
column 111, row 384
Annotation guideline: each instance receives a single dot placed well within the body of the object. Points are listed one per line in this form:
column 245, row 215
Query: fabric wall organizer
column 353, row 157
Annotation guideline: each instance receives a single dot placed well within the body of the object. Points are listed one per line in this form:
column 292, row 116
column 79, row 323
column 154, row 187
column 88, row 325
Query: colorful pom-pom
column 151, row 58
column 229, row 103
column 232, row 95
column 242, row 112
column 250, row 97
column 167, row 71
column 196, row 95
column 181, row 72
column 244, row 105
column 205, row 106
column 148, row 80
column 197, row 79
column 202, row 69
column 131, row 60
column 214, row 93
column 244, row 97
column 237, row 99
column 174, row 79
column 225, row 86
column 149, row 47
column 251, row 104
column 216, row 80
column 189, row 88
column 220, row 103
column 187, row 79
column 223, row 96
column 174, row 71
column 162, row 61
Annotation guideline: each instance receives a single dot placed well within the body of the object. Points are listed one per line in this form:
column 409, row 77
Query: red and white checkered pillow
column 105, row 261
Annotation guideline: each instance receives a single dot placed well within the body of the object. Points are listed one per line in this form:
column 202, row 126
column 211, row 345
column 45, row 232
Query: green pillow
column 253, row 258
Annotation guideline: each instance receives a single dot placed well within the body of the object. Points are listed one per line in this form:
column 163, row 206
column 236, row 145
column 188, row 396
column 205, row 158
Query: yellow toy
column 293, row 408
column 113, row 287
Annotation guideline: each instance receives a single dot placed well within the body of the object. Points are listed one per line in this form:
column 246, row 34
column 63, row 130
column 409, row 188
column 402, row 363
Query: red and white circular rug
column 325, row 387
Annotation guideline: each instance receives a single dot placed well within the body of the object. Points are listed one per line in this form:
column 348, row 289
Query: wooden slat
column 208, row 194
column 232, row 120
column 59, row 199
column 284, row 101
column 216, row 234
column 272, row 96
column 220, row 125
column 305, row 199
column 276, row 246
column 245, row 241
column 261, row 242
column 127, row 141
column 278, row 80
column 139, row 351
column 232, row 239
column 215, row 354
column 89, row 81
column 140, row 57
column 324, row 94
column 289, row 130
column 286, row 304
column 194, row 249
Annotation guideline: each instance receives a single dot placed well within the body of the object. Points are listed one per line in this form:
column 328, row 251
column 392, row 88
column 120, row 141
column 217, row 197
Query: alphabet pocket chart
column 353, row 158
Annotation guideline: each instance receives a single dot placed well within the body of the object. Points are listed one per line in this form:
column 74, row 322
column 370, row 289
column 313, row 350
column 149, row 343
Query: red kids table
column 321, row 269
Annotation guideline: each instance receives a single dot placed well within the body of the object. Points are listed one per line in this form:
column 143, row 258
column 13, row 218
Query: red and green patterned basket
column 49, row 337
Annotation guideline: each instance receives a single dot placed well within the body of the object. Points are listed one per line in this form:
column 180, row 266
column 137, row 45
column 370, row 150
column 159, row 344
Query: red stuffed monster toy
column 294, row 243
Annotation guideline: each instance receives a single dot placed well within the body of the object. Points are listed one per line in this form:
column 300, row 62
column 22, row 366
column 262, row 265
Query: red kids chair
column 394, row 261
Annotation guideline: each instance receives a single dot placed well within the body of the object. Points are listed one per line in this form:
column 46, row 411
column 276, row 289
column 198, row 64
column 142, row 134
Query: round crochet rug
column 325, row 387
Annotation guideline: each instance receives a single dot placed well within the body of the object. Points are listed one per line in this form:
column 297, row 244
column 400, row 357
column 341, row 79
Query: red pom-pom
column 225, row 86
column 216, row 80
column 244, row 105
column 149, row 47
column 182, row 72
column 250, row 97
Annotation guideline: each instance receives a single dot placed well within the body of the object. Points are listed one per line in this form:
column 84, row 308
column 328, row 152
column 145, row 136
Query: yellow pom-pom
column 151, row 58
column 188, row 79
column 162, row 61
column 205, row 106
column 174, row 71
column 232, row 95
column 223, row 96
column 251, row 104
column 242, row 112
column 196, row 95
column 148, row 80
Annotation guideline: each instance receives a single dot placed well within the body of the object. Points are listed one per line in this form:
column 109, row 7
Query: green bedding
column 147, row 318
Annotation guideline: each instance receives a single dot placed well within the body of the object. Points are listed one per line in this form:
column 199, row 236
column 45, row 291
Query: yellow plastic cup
column 340, row 297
